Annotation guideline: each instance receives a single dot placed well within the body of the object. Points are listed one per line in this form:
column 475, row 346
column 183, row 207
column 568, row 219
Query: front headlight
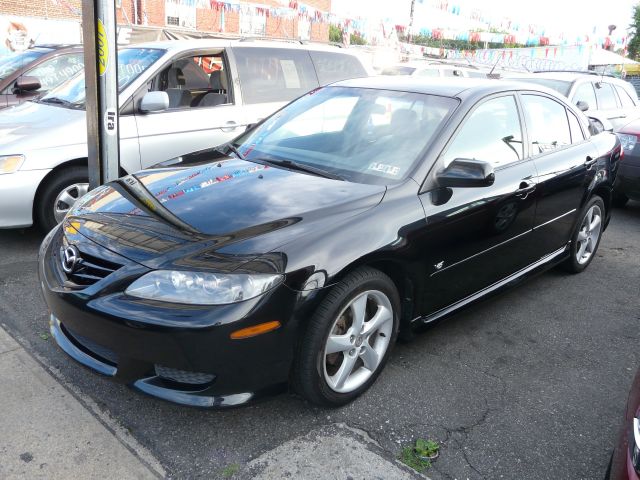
column 10, row 163
column 627, row 141
column 200, row 288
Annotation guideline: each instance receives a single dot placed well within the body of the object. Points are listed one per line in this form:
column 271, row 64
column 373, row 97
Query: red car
column 625, row 461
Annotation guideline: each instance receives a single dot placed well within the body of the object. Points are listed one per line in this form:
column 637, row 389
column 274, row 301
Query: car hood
column 33, row 125
column 219, row 214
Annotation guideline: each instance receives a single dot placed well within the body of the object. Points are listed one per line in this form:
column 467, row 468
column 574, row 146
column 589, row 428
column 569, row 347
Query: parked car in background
column 175, row 96
column 627, row 184
column 625, row 460
column 433, row 69
column 607, row 97
column 300, row 250
column 27, row 74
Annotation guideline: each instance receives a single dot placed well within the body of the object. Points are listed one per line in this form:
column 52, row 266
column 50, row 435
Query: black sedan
column 299, row 252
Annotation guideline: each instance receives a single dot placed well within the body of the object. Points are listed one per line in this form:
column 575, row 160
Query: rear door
column 269, row 78
column 202, row 112
column 609, row 105
column 481, row 235
column 564, row 159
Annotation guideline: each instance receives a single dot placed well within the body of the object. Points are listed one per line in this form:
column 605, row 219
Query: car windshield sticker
column 384, row 168
column 291, row 79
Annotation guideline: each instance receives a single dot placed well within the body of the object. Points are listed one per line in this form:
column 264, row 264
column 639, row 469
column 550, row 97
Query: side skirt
column 546, row 261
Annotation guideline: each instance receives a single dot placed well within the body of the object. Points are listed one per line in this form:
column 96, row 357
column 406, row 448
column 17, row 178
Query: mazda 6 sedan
column 296, row 254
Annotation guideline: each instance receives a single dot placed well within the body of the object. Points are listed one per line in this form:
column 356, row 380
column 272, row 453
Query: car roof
column 446, row 87
column 57, row 46
column 195, row 44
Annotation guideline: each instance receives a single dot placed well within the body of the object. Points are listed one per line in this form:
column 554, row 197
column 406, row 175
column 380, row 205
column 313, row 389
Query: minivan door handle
column 589, row 162
column 525, row 188
column 230, row 126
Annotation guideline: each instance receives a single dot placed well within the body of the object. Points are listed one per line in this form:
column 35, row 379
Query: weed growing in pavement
column 230, row 470
column 419, row 456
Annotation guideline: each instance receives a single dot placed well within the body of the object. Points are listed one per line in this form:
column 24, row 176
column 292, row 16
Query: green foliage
column 456, row 44
column 408, row 457
column 230, row 470
column 634, row 43
column 335, row 34
column 356, row 39
column 426, row 448
column 414, row 456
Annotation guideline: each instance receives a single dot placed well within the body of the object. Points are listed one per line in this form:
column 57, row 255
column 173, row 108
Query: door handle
column 589, row 162
column 524, row 189
column 229, row 126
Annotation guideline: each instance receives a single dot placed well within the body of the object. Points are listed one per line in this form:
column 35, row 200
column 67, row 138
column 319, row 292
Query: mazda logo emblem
column 69, row 258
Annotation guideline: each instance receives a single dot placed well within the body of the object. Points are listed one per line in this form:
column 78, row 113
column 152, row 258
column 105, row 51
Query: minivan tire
column 54, row 184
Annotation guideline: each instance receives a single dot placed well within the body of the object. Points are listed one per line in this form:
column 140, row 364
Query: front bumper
column 137, row 342
column 17, row 193
column 628, row 176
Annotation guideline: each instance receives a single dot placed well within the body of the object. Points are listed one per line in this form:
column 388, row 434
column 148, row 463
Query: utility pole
column 413, row 7
column 101, row 82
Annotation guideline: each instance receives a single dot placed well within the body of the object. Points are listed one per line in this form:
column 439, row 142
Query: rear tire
column 51, row 198
column 348, row 339
column 619, row 200
column 586, row 238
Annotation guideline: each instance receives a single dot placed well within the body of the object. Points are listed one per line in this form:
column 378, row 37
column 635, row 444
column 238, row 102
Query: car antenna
column 494, row 66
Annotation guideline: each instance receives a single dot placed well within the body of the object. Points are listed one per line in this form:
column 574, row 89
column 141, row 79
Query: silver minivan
column 176, row 97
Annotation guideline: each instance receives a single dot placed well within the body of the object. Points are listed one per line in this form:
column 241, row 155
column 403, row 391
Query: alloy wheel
column 358, row 341
column 589, row 234
column 67, row 198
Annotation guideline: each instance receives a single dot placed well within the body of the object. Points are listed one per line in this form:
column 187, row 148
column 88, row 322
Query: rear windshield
column 562, row 86
column 16, row 61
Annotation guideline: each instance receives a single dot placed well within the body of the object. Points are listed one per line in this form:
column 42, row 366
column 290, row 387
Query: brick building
column 271, row 18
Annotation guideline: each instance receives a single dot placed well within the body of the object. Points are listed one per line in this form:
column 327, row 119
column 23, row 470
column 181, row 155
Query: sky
column 569, row 16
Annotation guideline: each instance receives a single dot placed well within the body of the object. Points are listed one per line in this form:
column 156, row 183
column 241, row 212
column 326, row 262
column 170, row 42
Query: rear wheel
column 59, row 194
column 348, row 340
column 586, row 238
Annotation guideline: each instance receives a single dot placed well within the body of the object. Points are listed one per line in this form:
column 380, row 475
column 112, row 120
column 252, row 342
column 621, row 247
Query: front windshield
column 359, row 134
column 131, row 63
column 561, row 86
column 16, row 61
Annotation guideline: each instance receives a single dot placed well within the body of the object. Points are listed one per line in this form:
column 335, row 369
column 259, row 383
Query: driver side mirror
column 26, row 84
column 582, row 105
column 154, row 102
column 464, row 172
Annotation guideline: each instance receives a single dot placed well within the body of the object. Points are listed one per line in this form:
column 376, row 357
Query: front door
column 481, row 235
column 201, row 114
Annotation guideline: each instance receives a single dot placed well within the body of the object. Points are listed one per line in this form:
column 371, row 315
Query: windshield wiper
column 233, row 148
column 57, row 100
column 302, row 167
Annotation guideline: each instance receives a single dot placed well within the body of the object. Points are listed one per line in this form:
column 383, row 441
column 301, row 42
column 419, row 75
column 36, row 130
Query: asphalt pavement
column 530, row 384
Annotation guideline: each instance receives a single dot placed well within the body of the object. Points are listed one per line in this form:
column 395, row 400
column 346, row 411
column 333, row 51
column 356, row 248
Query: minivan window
column 625, row 98
column 606, row 97
column 333, row 67
column 132, row 62
column 547, row 124
column 274, row 74
column 585, row 93
column 53, row 71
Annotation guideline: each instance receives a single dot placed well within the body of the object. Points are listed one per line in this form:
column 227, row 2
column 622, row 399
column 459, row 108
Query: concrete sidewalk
column 46, row 432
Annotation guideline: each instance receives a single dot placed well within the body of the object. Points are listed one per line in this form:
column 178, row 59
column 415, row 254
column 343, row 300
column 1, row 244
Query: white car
column 176, row 97
column 425, row 69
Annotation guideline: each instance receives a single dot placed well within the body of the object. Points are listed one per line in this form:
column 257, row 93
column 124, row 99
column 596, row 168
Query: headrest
column 218, row 80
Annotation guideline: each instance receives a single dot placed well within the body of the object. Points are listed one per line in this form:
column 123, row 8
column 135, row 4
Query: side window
column 274, row 74
column 428, row 72
column 576, row 131
column 546, row 123
column 606, row 97
column 195, row 82
column 585, row 93
column 625, row 98
column 491, row 133
column 333, row 67
column 54, row 71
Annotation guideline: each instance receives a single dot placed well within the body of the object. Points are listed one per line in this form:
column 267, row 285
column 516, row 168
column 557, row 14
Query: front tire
column 58, row 195
column 586, row 238
column 348, row 339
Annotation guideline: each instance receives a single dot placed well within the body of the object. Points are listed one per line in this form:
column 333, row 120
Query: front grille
column 90, row 269
column 183, row 376
column 91, row 348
